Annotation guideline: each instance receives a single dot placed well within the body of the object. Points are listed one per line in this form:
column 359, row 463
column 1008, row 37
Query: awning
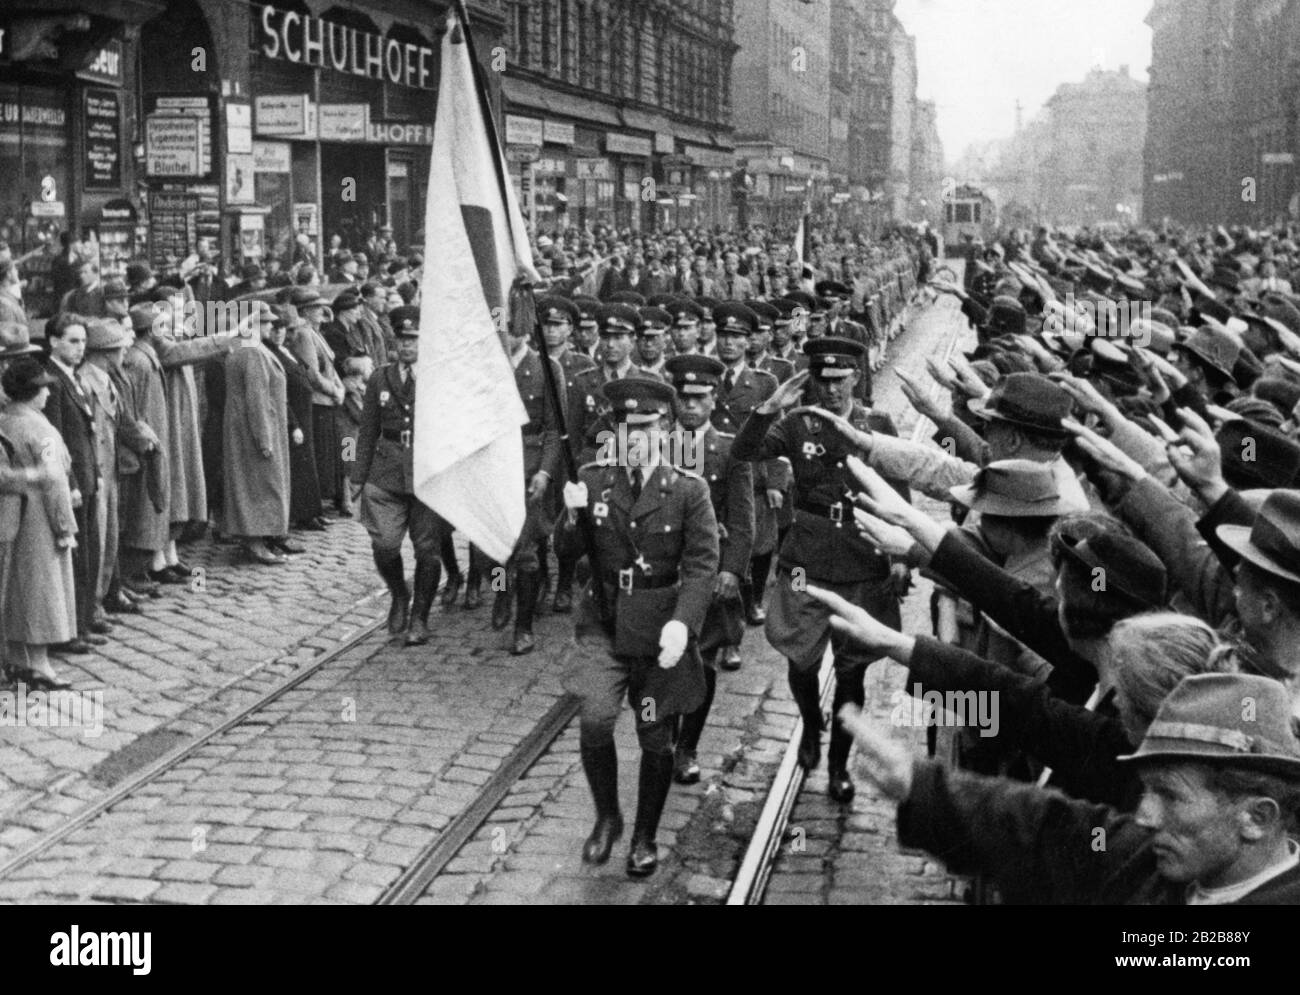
column 648, row 122
column 521, row 93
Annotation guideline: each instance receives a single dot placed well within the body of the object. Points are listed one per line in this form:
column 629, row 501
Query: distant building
column 926, row 169
column 620, row 112
column 898, row 187
column 782, row 112
column 1079, row 161
column 1224, row 102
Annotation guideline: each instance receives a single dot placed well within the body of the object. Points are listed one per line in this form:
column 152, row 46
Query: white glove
column 672, row 642
column 575, row 495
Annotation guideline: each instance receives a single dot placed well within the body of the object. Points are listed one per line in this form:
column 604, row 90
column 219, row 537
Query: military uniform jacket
column 827, row 550
column 588, row 409
column 573, row 362
column 383, row 459
column 752, row 388
column 731, row 489
column 542, row 433
column 669, row 530
column 782, row 369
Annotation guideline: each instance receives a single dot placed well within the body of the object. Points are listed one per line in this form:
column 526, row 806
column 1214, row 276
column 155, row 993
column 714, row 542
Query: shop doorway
column 353, row 193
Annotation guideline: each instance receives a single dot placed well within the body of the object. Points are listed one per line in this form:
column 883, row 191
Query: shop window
column 35, row 158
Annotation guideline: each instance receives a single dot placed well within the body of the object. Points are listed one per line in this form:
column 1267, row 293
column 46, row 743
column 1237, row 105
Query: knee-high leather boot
column 804, row 688
column 601, row 766
column 427, row 571
column 393, row 572
column 652, row 791
column 848, row 688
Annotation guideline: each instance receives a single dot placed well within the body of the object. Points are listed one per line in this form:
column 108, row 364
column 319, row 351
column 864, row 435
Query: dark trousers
column 85, row 561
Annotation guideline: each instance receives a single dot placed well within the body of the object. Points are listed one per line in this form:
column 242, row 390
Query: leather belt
column 633, row 579
column 397, row 435
column 835, row 512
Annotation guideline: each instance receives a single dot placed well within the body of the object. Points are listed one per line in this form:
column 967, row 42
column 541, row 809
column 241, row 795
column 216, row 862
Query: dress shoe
column 417, row 634
column 524, row 643
column 285, row 546
column 839, row 786
column 643, row 858
column 101, row 627
column 563, row 603
column 685, row 768
column 501, row 606
column 182, row 568
column 93, row 639
column 39, row 682
column 810, row 749
column 164, row 576
column 324, row 522
column 314, row 525
column 731, row 658
column 757, row 615
column 261, row 554
column 141, row 587
column 122, row 605
column 607, row 832
column 72, row 646
column 451, row 591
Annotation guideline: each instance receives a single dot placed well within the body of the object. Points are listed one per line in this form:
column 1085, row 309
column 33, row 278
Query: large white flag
column 469, row 462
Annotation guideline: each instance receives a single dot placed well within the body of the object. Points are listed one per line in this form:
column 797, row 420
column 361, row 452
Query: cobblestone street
column 328, row 793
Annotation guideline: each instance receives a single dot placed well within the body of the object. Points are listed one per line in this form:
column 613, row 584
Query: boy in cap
column 656, row 559
column 822, row 545
column 731, row 489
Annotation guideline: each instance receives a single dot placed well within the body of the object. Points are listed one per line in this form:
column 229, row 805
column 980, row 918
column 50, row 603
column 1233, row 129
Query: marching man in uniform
column 731, row 488
column 823, row 546
column 383, row 480
column 655, row 556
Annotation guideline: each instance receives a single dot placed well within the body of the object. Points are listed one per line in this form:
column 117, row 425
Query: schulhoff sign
column 307, row 40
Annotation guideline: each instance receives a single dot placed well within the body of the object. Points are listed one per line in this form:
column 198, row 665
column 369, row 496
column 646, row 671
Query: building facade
column 927, row 165
column 620, row 112
column 902, row 113
column 782, row 107
column 141, row 125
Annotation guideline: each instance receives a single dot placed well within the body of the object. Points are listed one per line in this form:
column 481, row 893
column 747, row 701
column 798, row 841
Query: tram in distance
column 968, row 210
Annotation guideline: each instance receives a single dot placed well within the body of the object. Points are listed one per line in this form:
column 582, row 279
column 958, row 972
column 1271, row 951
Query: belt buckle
column 625, row 580
column 406, row 438
column 836, row 512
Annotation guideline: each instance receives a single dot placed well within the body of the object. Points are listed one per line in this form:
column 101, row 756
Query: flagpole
column 523, row 308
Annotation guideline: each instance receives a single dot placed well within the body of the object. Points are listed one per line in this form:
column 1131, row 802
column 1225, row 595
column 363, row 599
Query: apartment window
column 518, row 48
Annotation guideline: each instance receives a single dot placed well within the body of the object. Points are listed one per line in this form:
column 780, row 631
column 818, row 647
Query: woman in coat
column 147, row 369
column 255, row 441
column 39, row 599
column 304, row 482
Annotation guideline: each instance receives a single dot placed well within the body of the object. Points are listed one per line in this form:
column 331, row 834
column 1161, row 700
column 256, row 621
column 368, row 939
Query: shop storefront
column 66, row 106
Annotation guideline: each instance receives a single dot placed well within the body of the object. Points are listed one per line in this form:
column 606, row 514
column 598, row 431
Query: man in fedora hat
column 116, row 433
column 1023, row 420
column 1220, row 768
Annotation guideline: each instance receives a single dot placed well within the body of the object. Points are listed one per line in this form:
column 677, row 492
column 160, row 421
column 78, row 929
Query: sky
column 975, row 58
